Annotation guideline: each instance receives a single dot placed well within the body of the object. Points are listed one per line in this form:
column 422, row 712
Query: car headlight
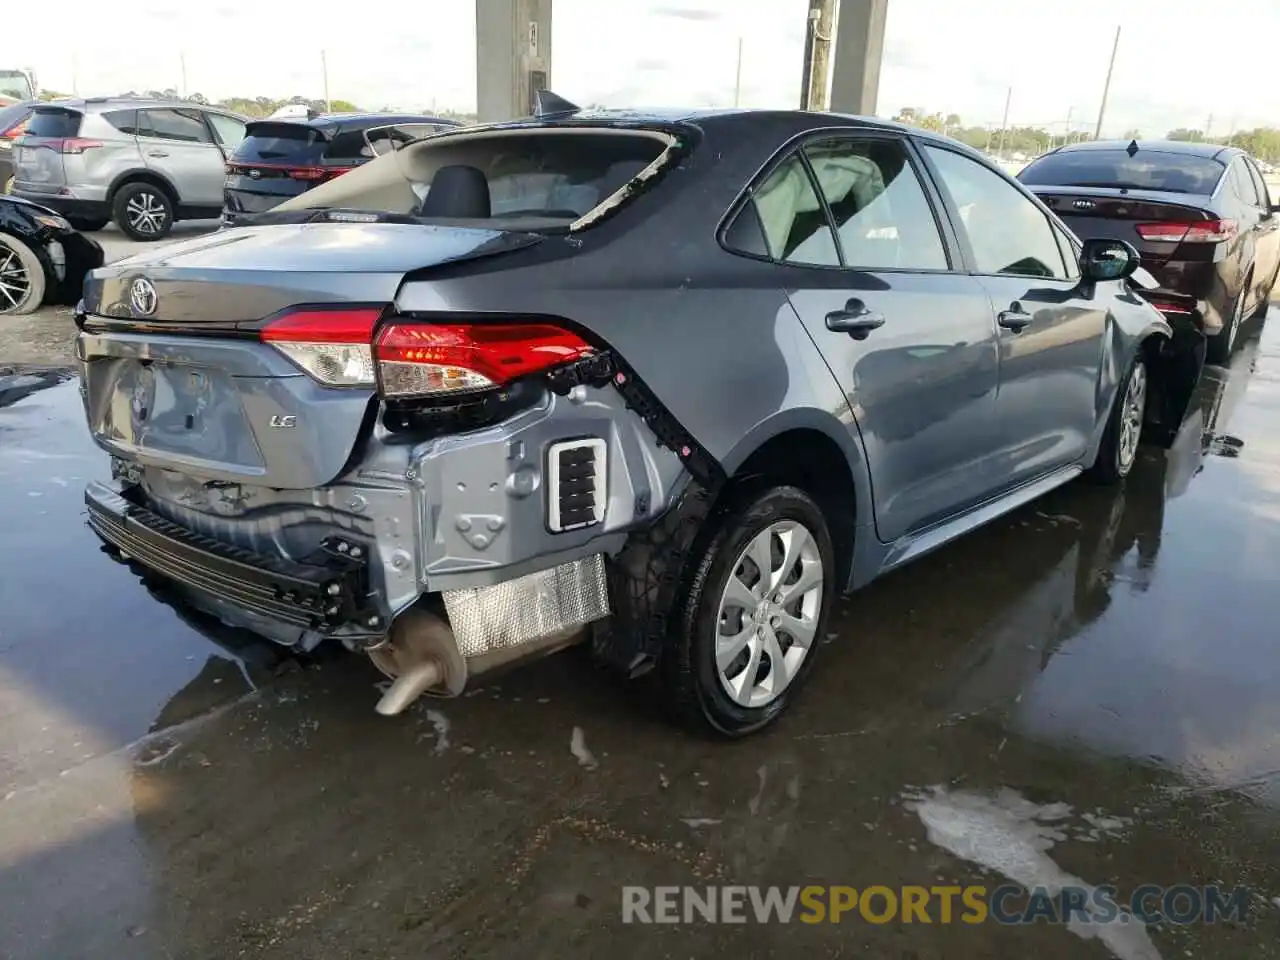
column 50, row 220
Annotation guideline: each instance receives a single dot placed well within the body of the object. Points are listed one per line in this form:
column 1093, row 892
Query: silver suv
column 142, row 163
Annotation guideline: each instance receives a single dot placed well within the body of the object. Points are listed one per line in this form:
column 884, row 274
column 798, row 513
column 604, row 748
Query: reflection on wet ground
column 172, row 790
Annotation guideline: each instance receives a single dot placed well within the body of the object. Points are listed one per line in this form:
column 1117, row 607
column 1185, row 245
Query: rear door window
column 1243, row 184
column 126, row 121
column 882, row 216
column 1144, row 170
column 796, row 228
column 1263, row 193
column 183, row 126
column 54, row 123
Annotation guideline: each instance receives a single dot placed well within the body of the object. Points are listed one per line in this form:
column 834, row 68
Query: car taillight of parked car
column 306, row 174
column 1199, row 231
column 413, row 359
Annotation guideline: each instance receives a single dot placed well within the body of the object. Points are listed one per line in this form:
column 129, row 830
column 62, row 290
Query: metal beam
column 855, row 77
column 513, row 56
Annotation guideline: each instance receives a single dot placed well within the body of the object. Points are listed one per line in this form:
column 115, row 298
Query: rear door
column 177, row 144
column 1051, row 333
column 909, row 338
column 1267, row 254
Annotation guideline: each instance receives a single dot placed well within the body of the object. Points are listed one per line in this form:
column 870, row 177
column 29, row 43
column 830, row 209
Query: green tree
column 1182, row 133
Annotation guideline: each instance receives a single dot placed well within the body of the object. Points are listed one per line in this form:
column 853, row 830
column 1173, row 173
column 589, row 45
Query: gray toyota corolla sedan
column 666, row 383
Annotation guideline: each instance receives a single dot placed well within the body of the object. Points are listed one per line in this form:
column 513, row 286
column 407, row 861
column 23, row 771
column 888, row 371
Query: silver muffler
column 487, row 627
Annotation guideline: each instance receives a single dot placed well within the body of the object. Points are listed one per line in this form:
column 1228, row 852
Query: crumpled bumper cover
column 328, row 594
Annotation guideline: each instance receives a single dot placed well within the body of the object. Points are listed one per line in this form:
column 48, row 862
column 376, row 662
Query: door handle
column 855, row 320
column 157, row 153
column 1015, row 320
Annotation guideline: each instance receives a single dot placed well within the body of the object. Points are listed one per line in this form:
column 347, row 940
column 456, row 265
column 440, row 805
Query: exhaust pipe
column 492, row 626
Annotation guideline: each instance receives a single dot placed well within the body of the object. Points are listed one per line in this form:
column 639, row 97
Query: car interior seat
column 458, row 192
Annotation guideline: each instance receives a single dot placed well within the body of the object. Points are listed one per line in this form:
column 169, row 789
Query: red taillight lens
column 331, row 344
column 1170, row 307
column 429, row 359
column 1199, row 231
column 337, row 346
column 76, row 145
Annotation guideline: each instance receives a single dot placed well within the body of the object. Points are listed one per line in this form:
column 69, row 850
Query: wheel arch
column 144, row 175
column 815, row 451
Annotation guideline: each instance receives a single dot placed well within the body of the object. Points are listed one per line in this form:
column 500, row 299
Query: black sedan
column 281, row 158
column 1199, row 213
column 43, row 259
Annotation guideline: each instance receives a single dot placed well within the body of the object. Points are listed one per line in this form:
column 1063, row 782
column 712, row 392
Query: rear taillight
column 332, row 345
column 75, row 145
column 1171, row 308
column 1199, row 231
column 431, row 359
column 406, row 359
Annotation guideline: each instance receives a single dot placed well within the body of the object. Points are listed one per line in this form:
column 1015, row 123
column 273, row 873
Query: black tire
column 690, row 679
column 1117, row 453
column 22, row 277
column 1218, row 349
column 88, row 226
column 142, row 211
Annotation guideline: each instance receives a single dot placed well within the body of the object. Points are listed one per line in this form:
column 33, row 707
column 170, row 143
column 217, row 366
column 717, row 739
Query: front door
column 176, row 144
column 911, row 341
column 1051, row 327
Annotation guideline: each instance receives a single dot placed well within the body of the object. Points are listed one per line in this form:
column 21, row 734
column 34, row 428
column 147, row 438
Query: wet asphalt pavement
column 169, row 791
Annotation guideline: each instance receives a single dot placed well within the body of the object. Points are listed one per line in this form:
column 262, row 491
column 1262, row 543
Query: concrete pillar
column 855, row 75
column 513, row 56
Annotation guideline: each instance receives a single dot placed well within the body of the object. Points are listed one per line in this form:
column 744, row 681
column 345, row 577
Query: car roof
column 1185, row 148
column 94, row 104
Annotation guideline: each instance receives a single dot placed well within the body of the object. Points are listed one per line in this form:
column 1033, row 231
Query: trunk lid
column 39, row 157
column 174, row 374
column 1111, row 213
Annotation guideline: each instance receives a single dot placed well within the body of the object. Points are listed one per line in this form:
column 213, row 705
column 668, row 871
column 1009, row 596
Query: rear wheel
column 22, row 280
column 1119, row 449
column 1220, row 347
column 748, row 627
column 143, row 211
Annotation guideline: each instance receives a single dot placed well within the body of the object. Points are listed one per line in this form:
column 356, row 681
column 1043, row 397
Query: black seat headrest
column 458, row 191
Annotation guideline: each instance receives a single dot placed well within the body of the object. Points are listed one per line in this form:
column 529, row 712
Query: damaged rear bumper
column 329, row 594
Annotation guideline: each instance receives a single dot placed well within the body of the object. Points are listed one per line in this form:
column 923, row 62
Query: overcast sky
column 1178, row 63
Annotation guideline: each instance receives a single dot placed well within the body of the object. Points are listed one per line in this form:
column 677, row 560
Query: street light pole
column 324, row 69
column 737, row 83
column 1004, row 124
column 1106, row 87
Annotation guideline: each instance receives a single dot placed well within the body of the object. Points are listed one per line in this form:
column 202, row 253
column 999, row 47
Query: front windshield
column 15, row 84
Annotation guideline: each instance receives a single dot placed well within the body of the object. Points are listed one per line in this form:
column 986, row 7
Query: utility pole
column 75, row 74
column 1208, row 125
column 324, row 69
column 1004, row 124
column 817, row 54
column 737, row 83
column 182, row 60
column 1106, row 87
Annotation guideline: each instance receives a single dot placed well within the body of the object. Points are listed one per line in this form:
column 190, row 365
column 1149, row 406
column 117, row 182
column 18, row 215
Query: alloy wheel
column 15, row 282
column 768, row 617
column 1131, row 416
column 146, row 213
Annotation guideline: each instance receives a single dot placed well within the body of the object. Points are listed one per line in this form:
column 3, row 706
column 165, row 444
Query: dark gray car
column 674, row 379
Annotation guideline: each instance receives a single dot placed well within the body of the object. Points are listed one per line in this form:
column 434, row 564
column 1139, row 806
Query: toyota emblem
column 142, row 297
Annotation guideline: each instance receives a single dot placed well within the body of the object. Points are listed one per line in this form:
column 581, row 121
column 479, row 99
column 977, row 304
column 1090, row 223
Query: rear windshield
column 1145, row 170
column 54, row 123
column 280, row 143
column 11, row 117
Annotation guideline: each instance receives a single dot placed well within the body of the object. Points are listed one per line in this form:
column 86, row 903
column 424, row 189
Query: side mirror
column 1108, row 260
